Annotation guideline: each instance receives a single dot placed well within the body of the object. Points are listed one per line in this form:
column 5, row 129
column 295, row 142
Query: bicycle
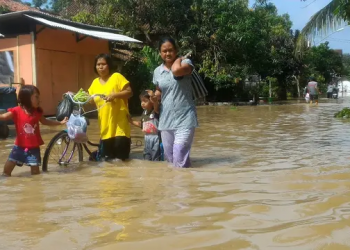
column 62, row 137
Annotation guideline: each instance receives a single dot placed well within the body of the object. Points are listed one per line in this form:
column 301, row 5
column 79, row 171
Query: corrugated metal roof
column 97, row 34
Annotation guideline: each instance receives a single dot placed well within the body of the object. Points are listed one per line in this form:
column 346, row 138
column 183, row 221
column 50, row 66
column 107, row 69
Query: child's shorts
column 30, row 157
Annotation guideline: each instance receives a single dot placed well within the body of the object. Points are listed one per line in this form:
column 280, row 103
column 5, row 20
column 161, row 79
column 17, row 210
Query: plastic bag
column 64, row 108
column 149, row 128
column 77, row 127
column 307, row 97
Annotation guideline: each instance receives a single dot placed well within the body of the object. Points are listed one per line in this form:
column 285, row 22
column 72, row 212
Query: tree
column 326, row 21
column 323, row 63
column 4, row 10
column 38, row 3
column 346, row 65
column 230, row 41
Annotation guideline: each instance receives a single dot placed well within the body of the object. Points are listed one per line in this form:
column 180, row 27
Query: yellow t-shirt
column 112, row 117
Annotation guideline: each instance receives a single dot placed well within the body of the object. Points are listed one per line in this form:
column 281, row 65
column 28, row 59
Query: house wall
column 21, row 47
column 63, row 64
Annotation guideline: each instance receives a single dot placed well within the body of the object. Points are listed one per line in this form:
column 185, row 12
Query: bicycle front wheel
column 61, row 151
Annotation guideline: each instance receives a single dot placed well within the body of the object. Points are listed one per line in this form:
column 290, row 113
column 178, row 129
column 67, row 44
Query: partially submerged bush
column 344, row 113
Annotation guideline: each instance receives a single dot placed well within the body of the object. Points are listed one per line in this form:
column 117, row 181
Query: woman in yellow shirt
column 112, row 117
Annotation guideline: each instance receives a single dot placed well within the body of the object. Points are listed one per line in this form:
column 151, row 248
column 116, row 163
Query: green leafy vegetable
column 81, row 96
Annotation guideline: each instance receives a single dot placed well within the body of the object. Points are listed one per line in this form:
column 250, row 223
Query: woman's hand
column 109, row 98
column 180, row 69
column 64, row 121
column 154, row 99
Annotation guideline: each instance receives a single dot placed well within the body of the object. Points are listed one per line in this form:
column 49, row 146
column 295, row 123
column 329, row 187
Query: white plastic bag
column 77, row 127
column 307, row 97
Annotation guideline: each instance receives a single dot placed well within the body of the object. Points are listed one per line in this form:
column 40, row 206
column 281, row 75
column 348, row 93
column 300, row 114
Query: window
column 7, row 69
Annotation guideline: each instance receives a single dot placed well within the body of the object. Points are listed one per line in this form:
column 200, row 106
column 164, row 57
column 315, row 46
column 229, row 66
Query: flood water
column 265, row 177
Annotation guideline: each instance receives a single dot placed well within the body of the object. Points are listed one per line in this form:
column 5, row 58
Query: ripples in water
column 266, row 177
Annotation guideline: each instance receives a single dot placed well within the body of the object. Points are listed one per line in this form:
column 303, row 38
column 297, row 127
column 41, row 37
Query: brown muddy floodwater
column 266, row 177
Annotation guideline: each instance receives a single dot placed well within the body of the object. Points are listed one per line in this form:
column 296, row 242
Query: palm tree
column 325, row 22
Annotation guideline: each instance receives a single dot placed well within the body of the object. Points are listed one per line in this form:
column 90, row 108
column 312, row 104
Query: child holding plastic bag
column 307, row 97
column 26, row 117
column 149, row 125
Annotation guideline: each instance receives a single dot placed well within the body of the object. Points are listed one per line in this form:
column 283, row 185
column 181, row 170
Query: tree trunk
column 282, row 90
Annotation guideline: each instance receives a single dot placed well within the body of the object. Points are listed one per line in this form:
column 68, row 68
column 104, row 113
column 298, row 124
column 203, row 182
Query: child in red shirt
column 26, row 117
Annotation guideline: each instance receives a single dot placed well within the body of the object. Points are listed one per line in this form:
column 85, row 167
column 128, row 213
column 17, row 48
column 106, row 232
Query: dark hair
column 108, row 60
column 312, row 78
column 144, row 94
column 25, row 95
column 167, row 39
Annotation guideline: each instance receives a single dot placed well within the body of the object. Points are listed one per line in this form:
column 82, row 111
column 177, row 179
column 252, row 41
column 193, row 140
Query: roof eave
column 57, row 19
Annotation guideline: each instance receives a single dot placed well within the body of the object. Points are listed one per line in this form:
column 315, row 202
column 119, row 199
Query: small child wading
column 28, row 141
column 149, row 124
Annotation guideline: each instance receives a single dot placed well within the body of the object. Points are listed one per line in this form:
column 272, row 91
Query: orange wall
column 63, row 40
column 25, row 56
column 63, row 64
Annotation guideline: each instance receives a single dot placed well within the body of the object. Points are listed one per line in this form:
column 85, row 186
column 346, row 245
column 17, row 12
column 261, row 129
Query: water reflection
column 266, row 177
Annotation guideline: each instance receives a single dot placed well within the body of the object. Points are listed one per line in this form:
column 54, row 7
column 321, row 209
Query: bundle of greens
column 81, row 96
column 344, row 113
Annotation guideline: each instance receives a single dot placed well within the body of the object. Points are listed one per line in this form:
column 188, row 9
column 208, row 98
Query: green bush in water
column 344, row 113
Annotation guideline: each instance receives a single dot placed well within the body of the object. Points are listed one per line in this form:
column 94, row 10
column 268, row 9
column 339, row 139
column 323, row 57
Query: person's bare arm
column 126, row 93
column 181, row 69
column 47, row 122
column 158, row 93
column 155, row 101
column 135, row 123
column 7, row 116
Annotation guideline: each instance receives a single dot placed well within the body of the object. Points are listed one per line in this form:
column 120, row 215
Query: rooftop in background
column 16, row 6
column 24, row 22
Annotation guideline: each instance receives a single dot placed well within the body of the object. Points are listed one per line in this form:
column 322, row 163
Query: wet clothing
column 177, row 146
column 330, row 90
column 113, row 118
column 116, row 148
column 178, row 116
column 313, row 97
column 30, row 157
column 149, row 125
column 151, row 151
column 177, row 108
column 27, row 127
column 312, row 87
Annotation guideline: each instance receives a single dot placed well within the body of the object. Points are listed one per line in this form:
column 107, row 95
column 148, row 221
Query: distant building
column 339, row 51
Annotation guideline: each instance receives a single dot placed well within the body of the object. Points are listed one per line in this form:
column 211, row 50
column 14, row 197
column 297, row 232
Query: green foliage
column 4, row 10
column 38, row 3
column 324, row 61
column 140, row 79
column 230, row 42
column 151, row 58
column 59, row 5
column 346, row 65
column 344, row 113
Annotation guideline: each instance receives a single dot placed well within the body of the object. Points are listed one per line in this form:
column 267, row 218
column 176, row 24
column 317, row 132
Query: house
column 52, row 53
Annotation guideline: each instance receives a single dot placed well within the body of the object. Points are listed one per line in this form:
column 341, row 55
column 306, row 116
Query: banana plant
column 151, row 58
